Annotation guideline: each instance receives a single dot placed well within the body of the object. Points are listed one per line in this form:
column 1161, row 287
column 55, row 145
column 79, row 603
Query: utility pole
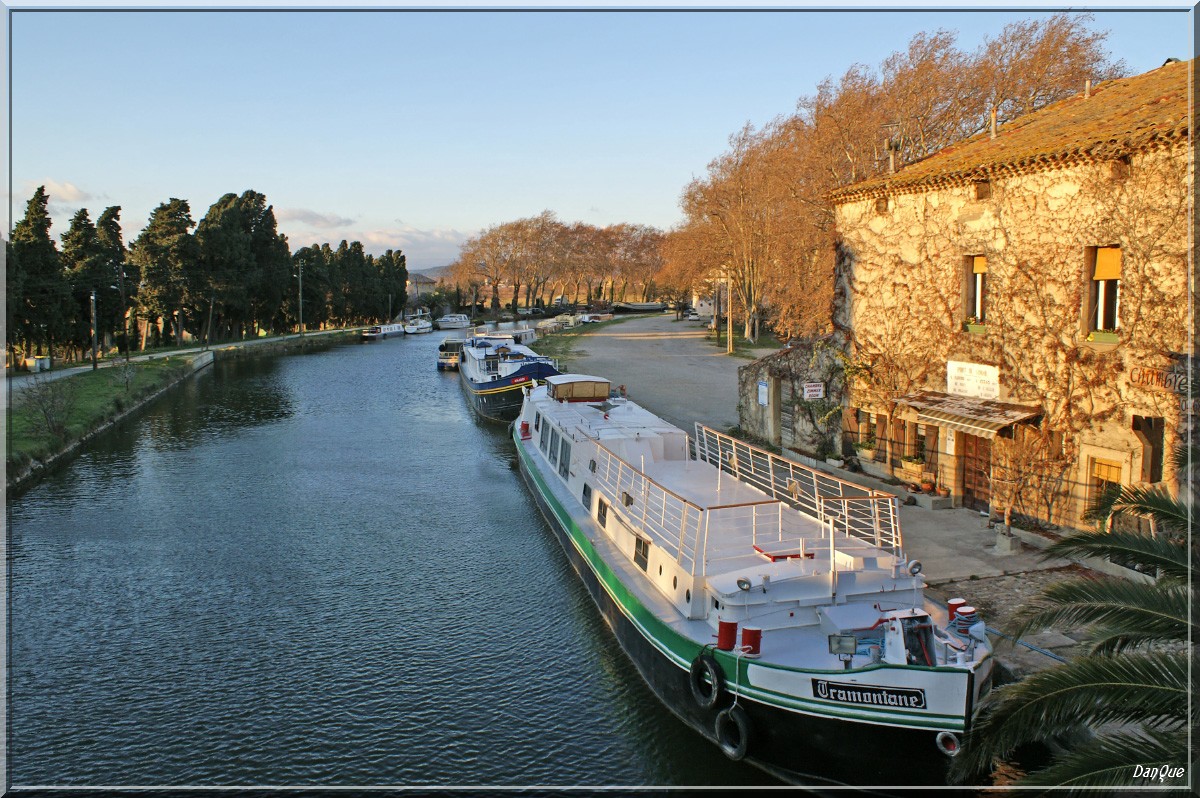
column 300, row 296
column 124, row 309
column 212, row 299
column 728, row 319
column 95, row 365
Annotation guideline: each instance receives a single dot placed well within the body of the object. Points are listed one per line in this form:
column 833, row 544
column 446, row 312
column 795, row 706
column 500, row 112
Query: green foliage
column 1126, row 702
column 80, row 402
column 168, row 256
column 42, row 309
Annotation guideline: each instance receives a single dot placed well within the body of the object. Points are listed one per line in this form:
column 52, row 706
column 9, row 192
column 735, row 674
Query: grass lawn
column 78, row 404
column 743, row 346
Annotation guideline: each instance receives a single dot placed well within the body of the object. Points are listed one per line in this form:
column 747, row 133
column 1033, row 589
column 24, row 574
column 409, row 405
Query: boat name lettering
column 905, row 697
column 516, row 380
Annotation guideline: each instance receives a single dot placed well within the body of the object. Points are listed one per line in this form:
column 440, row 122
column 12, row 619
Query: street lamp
column 300, row 294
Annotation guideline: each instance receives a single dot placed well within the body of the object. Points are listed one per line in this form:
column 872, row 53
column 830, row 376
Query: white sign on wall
column 762, row 392
column 814, row 390
column 972, row 379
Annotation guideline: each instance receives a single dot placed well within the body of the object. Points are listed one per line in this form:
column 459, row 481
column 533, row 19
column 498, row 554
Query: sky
column 415, row 129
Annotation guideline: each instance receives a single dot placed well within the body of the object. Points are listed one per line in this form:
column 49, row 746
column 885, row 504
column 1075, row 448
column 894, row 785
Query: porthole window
column 674, row 582
column 687, row 596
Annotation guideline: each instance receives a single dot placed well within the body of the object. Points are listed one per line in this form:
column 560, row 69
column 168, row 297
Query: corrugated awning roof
column 970, row 414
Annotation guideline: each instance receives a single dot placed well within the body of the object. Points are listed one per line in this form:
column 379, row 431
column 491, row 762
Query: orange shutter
column 979, row 265
column 1108, row 263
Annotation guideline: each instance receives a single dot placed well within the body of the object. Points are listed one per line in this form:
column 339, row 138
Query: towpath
column 668, row 366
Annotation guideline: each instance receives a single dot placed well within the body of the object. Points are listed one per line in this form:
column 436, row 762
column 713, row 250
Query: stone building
column 793, row 398
column 1014, row 309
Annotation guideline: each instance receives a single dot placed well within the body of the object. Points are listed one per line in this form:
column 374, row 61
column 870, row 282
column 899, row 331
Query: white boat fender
column 733, row 732
column 707, row 680
column 947, row 743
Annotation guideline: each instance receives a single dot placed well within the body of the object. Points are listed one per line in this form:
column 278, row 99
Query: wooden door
column 977, row 463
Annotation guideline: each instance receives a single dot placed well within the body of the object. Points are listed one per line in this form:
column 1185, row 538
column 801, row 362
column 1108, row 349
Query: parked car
column 693, row 316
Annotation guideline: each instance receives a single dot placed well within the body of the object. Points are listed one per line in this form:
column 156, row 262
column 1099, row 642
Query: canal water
column 317, row 569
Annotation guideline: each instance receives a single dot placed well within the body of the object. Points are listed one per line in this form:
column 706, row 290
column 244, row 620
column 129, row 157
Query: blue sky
column 412, row 130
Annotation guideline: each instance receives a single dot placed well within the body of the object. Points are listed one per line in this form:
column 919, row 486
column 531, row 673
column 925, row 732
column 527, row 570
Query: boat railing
column 770, row 531
column 671, row 522
column 868, row 515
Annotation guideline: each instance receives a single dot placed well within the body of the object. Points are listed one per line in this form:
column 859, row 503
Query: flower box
column 1103, row 337
column 975, row 328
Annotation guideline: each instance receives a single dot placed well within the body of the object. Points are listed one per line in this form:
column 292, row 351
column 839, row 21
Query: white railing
column 861, row 513
column 671, row 522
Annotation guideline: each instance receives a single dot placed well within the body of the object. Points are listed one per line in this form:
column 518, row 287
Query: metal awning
column 970, row 414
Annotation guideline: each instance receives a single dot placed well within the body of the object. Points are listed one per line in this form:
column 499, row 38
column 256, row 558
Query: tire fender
column 707, row 681
column 733, row 732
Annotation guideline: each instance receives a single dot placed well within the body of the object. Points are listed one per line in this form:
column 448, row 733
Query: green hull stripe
column 682, row 650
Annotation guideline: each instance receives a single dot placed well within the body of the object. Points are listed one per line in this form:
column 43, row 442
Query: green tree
column 167, row 256
column 45, row 297
column 88, row 277
column 1126, row 702
column 272, row 277
column 112, row 246
column 14, row 287
column 226, row 266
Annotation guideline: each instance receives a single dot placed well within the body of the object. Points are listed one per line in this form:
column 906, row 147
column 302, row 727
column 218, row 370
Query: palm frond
column 1149, row 689
column 1156, row 503
column 1108, row 642
column 1169, row 555
column 1157, row 609
column 1112, row 760
column 1101, row 507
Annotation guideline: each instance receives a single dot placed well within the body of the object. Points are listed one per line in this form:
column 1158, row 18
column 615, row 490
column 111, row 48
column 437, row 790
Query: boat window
column 641, row 552
column 602, row 512
column 587, row 496
column 537, row 421
column 564, row 459
column 545, row 437
column 552, row 454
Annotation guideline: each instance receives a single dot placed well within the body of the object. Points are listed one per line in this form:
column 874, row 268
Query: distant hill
column 436, row 273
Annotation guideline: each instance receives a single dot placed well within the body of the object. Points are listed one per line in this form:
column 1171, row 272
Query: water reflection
column 319, row 569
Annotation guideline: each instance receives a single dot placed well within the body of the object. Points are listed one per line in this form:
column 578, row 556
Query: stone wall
column 903, row 285
column 789, row 420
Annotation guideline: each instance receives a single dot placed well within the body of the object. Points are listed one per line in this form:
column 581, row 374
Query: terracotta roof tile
column 1119, row 117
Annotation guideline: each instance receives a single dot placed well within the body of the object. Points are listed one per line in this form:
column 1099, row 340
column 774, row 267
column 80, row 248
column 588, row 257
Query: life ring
column 706, row 680
column 733, row 732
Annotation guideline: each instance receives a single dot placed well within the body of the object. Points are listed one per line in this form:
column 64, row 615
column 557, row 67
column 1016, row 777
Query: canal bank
column 22, row 471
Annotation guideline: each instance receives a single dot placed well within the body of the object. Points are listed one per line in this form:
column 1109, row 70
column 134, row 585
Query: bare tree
column 52, row 401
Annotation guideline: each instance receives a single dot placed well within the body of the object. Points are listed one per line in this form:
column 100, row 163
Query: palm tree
column 1126, row 702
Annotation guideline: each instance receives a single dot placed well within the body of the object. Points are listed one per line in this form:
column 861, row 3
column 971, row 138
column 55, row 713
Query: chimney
column 1087, row 88
column 993, row 123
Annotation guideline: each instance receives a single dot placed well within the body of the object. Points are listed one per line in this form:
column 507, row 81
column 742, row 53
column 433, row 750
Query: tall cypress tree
column 120, row 273
column 41, row 318
column 86, row 274
column 168, row 256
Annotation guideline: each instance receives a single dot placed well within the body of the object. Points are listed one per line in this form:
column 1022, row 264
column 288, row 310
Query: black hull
column 499, row 406
column 796, row 748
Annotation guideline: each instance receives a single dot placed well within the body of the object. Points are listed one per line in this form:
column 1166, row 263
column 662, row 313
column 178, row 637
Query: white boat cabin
column 723, row 531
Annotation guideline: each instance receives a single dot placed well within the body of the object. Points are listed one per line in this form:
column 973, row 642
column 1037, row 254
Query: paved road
column 666, row 365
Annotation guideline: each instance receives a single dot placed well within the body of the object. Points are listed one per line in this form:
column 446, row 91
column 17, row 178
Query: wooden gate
column 977, row 463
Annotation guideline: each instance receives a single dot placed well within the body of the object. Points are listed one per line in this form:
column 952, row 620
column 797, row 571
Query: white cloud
column 63, row 194
column 320, row 221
